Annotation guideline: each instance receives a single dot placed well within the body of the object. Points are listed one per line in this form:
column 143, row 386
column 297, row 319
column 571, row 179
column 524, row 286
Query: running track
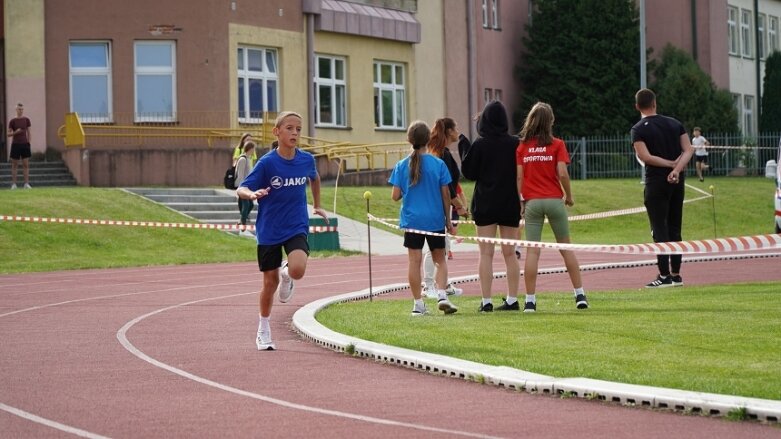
column 71, row 342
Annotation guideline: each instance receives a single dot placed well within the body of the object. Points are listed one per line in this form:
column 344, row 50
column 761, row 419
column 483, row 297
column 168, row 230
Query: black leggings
column 664, row 203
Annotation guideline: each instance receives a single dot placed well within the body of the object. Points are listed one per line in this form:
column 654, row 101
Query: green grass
column 717, row 339
column 29, row 247
column 744, row 206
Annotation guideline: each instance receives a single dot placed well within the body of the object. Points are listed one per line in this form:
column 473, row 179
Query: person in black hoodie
column 490, row 163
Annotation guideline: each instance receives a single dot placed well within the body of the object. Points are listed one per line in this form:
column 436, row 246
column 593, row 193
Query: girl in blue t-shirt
column 278, row 182
column 420, row 181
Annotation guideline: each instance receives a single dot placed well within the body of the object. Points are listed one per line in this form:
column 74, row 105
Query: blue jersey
column 421, row 204
column 283, row 213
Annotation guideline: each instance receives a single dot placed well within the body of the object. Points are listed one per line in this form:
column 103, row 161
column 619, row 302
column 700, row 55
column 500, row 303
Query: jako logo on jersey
column 278, row 182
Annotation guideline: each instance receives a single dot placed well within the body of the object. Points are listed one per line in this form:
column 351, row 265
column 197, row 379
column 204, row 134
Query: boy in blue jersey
column 420, row 181
column 278, row 182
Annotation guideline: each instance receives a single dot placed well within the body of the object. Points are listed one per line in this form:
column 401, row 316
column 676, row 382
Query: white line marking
column 49, row 423
column 122, row 337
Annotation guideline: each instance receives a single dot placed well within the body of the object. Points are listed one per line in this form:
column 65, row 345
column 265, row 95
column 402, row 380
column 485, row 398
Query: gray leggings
column 553, row 209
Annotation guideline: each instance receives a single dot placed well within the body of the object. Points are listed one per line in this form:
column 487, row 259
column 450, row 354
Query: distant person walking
column 420, row 181
column 239, row 149
column 700, row 145
column 544, row 185
column 243, row 169
column 19, row 131
column 490, row 163
column 662, row 144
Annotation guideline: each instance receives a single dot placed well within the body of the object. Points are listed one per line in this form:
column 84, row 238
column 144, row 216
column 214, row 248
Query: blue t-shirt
column 421, row 204
column 283, row 213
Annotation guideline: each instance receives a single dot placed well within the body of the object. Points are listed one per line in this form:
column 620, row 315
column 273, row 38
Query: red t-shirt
column 540, row 178
column 23, row 123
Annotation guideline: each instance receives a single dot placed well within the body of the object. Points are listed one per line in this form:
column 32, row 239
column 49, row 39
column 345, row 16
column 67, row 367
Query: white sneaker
column 430, row 292
column 453, row 291
column 246, row 233
column 27, row 186
column 445, row 306
column 285, row 288
column 417, row 312
column 264, row 342
column 13, row 186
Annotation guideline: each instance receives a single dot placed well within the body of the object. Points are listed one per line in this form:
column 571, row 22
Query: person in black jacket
column 490, row 163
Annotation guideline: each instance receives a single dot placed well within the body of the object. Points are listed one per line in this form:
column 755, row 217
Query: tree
column 688, row 94
column 770, row 118
column 580, row 58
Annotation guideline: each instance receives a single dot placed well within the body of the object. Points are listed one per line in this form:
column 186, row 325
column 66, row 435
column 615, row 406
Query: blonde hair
column 283, row 115
column 439, row 140
column 417, row 136
column 539, row 124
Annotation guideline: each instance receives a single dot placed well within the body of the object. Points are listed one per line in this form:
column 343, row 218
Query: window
column 746, row 33
column 487, row 96
column 90, row 80
column 258, row 82
column 498, row 95
column 330, row 91
column 761, row 30
column 389, row 95
column 495, row 13
column 772, row 35
column 748, row 115
column 155, row 77
column 732, row 31
column 485, row 13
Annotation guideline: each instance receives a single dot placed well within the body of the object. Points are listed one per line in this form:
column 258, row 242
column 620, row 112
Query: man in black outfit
column 662, row 144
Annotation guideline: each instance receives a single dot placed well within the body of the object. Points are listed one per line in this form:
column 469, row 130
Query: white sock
column 264, row 325
column 510, row 300
column 486, row 301
column 531, row 298
column 579, row 291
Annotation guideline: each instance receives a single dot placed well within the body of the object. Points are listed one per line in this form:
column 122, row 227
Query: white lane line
column 123, row 340
column 49, row 423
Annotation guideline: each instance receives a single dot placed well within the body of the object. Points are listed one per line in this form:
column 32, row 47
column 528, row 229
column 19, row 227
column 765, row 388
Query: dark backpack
column 230, row 178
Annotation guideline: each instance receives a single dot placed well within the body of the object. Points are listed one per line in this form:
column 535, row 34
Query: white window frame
column 486, row 24
column 396, row 86
column 487, row 95
column 92, row 71
column 498, row 94
column 733, row 36
column 746, row 33
column 156, row 70
column 772, row 35
column 748, row 115
column 762, row 49
column 338, row 86
column 244, row 74
column 495, row 14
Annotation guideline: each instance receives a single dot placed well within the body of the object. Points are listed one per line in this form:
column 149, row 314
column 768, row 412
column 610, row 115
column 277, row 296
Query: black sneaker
column 516, row 306
column 581, row 302
column 677, row 280
column 660, row 282
column 486, row 307
column 530, row 307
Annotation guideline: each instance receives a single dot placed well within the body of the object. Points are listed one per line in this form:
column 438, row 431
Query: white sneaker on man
column 13, row 186
column 27, row 186
column 430, row 292
column 285, row 288
column 264, row 342
column 453, row 291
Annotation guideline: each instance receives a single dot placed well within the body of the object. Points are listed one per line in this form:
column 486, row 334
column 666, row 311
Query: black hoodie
column 490, row 162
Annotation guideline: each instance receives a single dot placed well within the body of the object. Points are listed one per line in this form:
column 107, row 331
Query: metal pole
column 310, row 72
column 471, row 67
column 367, row 196
column 759, row 63
column 643, row 65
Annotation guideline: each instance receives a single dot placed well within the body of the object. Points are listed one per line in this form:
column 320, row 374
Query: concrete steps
column 41, row 174
column 210, row 206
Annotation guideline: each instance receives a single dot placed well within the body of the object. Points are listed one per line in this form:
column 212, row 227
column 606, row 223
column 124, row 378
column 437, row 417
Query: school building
column 359, row 71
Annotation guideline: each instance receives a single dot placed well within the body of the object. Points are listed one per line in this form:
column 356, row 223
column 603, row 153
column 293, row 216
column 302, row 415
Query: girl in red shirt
column 544, row 188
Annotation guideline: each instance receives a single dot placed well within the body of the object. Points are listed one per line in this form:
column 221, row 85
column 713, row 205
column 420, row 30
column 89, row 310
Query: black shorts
column 701, row 158
column 415, row 241
column 20, row 151
column 270, row 256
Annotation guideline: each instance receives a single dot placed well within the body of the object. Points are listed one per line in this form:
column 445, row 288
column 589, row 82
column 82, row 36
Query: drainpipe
column 759, row 63
column 694, row 29
column 471, row 66
column 310, row 72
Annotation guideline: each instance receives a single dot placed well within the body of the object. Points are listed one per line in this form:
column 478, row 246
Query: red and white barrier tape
column 35, row 219
column 721, row 245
